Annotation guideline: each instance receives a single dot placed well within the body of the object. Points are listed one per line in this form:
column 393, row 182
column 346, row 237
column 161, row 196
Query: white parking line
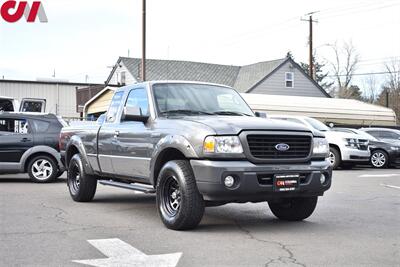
column 379, row 175
column 390, row 186
column 122, row 254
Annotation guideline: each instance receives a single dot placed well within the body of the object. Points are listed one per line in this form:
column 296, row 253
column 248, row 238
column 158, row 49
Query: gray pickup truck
column 196, row 145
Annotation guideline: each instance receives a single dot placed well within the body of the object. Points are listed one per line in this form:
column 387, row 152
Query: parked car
column 383, row 154
column 346, row 149
column 197, row 145
column 29, row 144
column 9, row 104
column 384, row 134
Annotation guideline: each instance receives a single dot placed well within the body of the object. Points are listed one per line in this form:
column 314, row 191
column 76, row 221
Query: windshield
column 316, row 124
column 199, row 99
column 366, row 135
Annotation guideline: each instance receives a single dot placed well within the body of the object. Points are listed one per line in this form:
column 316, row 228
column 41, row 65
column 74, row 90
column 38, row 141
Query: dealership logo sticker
column 13, row 11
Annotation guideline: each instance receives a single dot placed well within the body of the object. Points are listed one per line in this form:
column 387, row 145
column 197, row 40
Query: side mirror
column 134, row 114
column 261, row 114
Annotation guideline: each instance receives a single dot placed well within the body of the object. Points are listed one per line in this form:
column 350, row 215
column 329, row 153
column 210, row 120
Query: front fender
column 177, row 142
column 76, row 142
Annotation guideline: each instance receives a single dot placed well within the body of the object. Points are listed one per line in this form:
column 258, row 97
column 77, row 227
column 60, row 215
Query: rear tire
column 334, row 157
column 293, row 209
column 42, row 169
column 82, row 187
column 179, row 202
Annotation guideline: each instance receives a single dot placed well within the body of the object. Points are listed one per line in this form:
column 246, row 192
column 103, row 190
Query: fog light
column 322, row 178
column 229, row 181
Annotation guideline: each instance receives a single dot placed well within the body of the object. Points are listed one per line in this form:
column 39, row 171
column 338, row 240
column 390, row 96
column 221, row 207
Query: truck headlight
column 321, row 148
column 223, row 145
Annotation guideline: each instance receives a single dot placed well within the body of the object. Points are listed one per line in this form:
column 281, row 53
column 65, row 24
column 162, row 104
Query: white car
column 9, row 104
column 346, row 149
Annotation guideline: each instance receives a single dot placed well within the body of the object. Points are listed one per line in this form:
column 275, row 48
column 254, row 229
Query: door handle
column 25, row 140
column 116, row 134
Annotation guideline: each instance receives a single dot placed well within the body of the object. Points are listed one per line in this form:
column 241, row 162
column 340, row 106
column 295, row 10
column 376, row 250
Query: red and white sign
column 13, row 11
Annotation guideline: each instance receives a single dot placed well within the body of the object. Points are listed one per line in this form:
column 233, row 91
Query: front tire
column 179, row 202
column 379, row 159
column 293, row 209
column 82, row 187
column 334, row 157
column 42, row 169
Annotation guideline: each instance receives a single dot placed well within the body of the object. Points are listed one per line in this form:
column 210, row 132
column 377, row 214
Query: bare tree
column 371, row 89
column 393, row 79
column 391, row 88
column 344, row 65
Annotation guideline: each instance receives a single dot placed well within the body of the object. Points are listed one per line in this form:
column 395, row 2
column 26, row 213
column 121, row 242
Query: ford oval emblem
column 282, row 147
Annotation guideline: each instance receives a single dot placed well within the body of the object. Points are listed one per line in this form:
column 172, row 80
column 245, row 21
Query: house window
column 123, row 78
column 289, row 79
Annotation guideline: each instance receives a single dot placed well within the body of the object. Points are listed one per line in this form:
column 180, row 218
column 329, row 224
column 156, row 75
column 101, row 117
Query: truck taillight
column 59, row 141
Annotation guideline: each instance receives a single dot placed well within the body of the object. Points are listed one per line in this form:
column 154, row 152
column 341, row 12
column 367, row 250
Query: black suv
column 29, row 144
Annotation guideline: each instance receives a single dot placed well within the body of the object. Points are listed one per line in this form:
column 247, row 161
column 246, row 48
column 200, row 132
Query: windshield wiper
column 231, row 113
column 185, row 112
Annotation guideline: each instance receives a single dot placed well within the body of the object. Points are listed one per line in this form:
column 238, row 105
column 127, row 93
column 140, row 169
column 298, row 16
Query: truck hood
column 233, row 125
column 333, row 134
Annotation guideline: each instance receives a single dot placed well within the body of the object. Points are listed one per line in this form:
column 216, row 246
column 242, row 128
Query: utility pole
column 310, row 42
column 387, row 97
column 144, row 42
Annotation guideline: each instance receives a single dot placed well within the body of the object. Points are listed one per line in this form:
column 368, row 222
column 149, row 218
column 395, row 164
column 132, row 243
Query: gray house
column 277, row 77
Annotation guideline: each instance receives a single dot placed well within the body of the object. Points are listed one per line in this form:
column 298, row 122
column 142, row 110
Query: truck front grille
column 264, row 146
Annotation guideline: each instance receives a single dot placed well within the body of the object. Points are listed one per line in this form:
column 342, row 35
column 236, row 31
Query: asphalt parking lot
column 357, row 223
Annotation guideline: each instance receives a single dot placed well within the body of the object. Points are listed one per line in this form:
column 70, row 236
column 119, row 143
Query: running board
column 136, row 187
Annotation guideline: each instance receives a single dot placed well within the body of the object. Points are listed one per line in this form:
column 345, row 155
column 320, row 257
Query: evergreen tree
column 320, row 74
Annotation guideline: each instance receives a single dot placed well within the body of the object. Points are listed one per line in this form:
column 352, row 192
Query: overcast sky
column 85, row 37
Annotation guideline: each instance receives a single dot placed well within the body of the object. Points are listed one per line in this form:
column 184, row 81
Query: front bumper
column 254, row 182
column 355, row 155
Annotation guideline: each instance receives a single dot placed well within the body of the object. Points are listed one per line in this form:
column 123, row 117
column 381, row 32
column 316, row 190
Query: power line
column 360, row 10
column 358, row 5
column 362, row 74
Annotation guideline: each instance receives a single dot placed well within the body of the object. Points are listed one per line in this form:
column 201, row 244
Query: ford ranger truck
column 196, row 145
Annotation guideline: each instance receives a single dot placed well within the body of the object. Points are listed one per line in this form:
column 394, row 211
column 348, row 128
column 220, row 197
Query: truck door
column 132, row 141
column 106, row 135
column 15, row 139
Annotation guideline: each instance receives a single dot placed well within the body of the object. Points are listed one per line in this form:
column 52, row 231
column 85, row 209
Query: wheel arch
column 336, row 147
column 163, row 157
column 40, row 150
column 171, row 147
column 75, row 146
column 34, row 155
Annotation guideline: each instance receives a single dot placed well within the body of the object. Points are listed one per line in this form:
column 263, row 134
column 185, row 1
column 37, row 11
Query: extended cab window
column 138, row 98
column 14, row 126
column 114, row 106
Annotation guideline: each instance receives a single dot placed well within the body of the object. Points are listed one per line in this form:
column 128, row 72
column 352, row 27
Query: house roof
column 181, row 70
column 250, row 75
column 242, row 78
